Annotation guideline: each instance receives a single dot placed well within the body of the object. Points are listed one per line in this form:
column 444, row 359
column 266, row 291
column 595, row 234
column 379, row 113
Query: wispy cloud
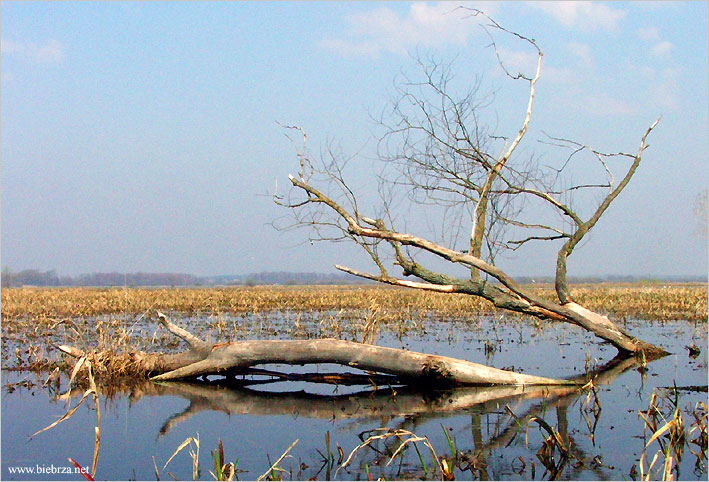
column 662, row 49
column 574, row 71
column 582, row 52
column 664, row 88
column 583, row 15
column 384, row 29
column 517, row 61
column 602, row 104
column 649, row 33
column 525, row 62
column 51, row 52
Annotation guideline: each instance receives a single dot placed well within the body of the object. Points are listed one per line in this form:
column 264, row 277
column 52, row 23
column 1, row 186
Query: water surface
column 256, row 423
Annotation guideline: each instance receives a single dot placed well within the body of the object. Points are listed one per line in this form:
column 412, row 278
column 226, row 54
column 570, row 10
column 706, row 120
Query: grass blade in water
column 66, row 415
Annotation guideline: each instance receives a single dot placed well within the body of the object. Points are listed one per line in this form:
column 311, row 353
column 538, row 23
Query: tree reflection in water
column 408, row 408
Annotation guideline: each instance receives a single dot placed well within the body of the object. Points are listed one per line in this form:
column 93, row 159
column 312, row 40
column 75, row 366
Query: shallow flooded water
column 485, row 433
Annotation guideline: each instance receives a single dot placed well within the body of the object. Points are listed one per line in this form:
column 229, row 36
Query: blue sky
column 145, row 136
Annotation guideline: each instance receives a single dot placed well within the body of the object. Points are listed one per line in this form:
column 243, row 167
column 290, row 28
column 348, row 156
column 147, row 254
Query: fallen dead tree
column 234, row 396
column 439, row 154
column 229, row 359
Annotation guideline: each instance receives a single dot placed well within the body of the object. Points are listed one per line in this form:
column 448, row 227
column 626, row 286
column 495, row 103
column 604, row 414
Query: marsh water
column 486, row 433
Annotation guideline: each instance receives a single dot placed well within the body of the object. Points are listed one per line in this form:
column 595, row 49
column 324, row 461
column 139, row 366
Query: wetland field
column 637, row 420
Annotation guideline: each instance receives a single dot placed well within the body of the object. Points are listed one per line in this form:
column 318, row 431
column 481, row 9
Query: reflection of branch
column 602, row 376
column 413, row 405
column 362, row 405
column 177, row 419
column 339, row 379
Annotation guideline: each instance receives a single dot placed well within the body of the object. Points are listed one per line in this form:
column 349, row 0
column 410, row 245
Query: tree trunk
column 233, row 396
column 407, row 365
column 419, row 369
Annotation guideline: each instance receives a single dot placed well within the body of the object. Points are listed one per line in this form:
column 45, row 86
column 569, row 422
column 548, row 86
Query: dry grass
column 47, row 305
column 649, row 302
column 665, row 422
column 101, row 321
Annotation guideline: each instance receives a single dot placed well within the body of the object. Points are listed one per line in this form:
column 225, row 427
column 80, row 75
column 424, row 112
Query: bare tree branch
column 398, row 282
column 562, row 289
column 440, row 153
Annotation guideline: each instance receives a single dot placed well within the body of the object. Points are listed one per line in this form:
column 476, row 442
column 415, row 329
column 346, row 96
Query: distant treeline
column 616, row 279
column 286, row 278
column 33, row 277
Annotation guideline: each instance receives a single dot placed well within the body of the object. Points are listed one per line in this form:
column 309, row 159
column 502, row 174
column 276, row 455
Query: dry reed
column 49, row 305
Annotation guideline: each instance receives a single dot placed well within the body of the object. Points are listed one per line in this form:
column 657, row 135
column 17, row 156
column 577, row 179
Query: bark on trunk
column 408, row 367
column 393, row 366
column 232, row 397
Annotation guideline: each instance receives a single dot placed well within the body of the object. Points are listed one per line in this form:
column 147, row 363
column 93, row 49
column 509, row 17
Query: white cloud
column 383, row 29
column 582, row 51
column 649, row 33
column 584, row 15
column 519, row 62
column 525, row 62
column 561, row 75
column 51, row 52
column 9, row 47
column 662, row 49
column 664, row 88
column 602, row 104
column 568, row 73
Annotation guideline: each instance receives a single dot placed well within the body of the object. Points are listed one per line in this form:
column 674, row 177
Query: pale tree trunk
column 232, row 395
column 408, row 367
column 430, row 370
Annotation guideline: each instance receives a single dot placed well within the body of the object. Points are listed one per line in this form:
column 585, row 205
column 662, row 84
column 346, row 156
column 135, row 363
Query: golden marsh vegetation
column 34, row 320
column 119, row 320
column 651, row 302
